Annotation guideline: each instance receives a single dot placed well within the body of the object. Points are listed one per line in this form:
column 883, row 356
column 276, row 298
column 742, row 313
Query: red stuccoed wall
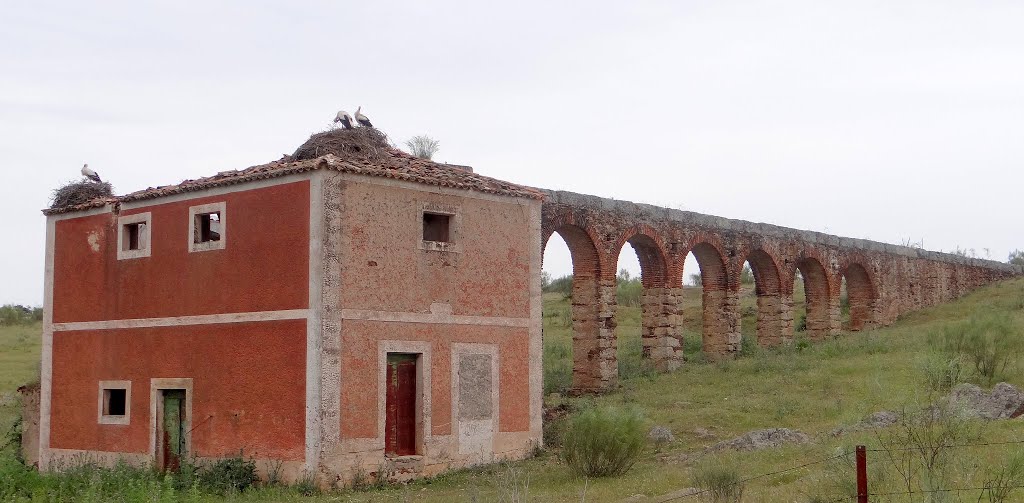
column 236, row 403
column 266, row 257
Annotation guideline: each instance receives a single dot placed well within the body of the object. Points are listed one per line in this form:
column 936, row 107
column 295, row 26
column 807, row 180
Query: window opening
column 114, row 402
column 436, row 227
column 207, row 227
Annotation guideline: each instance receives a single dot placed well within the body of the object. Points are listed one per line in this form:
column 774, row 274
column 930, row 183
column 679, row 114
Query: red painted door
column 400, row 424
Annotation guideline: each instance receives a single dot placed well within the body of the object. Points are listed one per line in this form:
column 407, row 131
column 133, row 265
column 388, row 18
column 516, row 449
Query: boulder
column 1005, row 401
column 880, row 419
column 763, row 439
column 660, row 435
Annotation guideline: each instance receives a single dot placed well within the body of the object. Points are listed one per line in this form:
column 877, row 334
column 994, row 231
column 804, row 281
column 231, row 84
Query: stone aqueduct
column 883, row 281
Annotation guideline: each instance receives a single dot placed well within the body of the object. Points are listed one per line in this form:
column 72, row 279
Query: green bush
column 603, row 441
column 989, row 342
column 229, row 475
column 942, row 373
column 718, row 483
column 13, row 314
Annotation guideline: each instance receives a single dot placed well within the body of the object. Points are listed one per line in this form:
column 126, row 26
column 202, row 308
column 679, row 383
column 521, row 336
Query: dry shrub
column 364, row 143
column 75, row 193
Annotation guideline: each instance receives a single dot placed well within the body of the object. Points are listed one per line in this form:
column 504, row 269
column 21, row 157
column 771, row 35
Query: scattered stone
column 703, row 433
column 660, row 435
column 1004, row 402
column 674, row 495
column 763, row 439
column 636, row 498
column 880, row 419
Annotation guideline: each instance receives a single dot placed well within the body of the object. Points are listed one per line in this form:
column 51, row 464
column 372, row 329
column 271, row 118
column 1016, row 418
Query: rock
column 635, row 498
column 703, row 433
column 1004, row 402
column 763, row 439
column 880, row 419
column 661, row 435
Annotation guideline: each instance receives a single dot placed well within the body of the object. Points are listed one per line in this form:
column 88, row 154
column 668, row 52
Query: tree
column 1016, row 257
column 423, row 146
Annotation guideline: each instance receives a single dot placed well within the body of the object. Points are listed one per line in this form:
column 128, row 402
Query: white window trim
column 127, row 417
column 145, row 251
column 220, row 244
column 454, row 244
column 156, row 410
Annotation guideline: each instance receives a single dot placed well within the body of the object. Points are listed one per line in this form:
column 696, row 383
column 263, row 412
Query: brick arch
column 650, row 251
column 587, row 360
column 768, row 288
column 720, row 324
column 659, row 305
column 817, row 293
column 862, row 295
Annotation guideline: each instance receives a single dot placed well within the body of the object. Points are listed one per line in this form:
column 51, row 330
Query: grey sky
column 885, row 120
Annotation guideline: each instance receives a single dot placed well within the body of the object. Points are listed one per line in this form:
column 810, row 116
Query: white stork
column 344, row 118
column 90, row 174
column 362, row 119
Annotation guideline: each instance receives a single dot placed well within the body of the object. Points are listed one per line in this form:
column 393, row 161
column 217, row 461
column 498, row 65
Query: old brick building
column 333, row 311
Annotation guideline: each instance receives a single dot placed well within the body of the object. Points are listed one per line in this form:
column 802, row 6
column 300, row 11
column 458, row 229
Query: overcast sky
column 882, row 120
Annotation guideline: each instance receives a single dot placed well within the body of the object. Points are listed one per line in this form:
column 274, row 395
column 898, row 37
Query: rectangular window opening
column 207, row 227
column 436, row 227
column 134, row 236
column 115, row 402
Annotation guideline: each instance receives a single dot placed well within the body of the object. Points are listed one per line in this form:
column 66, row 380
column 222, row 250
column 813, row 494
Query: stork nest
column 75, row 193
column 362, row 142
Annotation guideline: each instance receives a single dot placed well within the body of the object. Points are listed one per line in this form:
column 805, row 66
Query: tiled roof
column 391, row 163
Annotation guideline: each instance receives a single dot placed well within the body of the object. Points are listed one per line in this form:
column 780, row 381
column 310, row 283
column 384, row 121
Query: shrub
column 562, row 285
column 801, row 323
column 989, row 342
column 718, row 483
column 943, row 373
column 603, row 442
column 229, row 475
column 306, row 485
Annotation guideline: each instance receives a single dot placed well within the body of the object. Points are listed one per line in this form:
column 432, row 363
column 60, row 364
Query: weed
column 306, row 485
column 229, row 475
column 718, row 483
column 603, row 442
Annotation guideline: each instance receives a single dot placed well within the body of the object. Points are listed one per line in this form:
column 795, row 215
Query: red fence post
column 862, row 474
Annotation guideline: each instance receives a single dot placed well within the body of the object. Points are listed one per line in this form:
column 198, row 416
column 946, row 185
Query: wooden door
column 172, row 431
column 400, row 411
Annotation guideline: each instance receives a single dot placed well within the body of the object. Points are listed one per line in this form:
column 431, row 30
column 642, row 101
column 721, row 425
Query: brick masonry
column 884, row 281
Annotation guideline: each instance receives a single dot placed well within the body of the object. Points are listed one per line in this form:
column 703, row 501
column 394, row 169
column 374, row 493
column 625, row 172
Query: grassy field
column 814, row 390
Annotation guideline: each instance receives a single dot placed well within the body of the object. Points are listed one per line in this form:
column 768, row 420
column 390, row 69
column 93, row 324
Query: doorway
column 170, row 441
column 400, row 407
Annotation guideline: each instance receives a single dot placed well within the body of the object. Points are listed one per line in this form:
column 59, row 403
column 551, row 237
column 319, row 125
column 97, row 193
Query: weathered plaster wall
column 235, row 406
column 884, row 281
column 398, row 295
column 265, row 256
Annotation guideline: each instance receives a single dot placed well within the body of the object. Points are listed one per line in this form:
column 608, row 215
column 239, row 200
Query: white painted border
column 459, row 349
column 454, row 211
column 156, row 407
column 102, row 418
column 219, row 207
column 433, row 317
column 145, row 251
column 423, row 388
column 314, row 320
column 177, row 321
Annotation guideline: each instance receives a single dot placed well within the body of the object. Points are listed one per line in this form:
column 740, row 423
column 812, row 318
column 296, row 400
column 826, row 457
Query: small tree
column 1016, row 257
column 423, row 146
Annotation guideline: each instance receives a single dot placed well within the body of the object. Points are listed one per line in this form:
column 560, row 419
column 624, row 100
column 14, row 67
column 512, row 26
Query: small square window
column 115, row 402
column 208, row 227
column 133, row 237
column 437, row 227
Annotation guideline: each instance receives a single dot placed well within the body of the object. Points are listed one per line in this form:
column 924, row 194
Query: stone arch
column 660, row 302
column 589, row 349
column 768, row 288
column 862, row 294
column 721, row 336
column 818, row 295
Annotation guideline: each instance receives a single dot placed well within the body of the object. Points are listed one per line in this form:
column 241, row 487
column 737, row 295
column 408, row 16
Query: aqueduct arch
column 883, row 280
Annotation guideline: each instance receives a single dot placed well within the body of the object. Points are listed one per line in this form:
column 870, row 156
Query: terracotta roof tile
column 391, row 163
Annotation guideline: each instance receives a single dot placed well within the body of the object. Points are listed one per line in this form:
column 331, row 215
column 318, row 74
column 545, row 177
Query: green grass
column 832, row 383
column 19, row 364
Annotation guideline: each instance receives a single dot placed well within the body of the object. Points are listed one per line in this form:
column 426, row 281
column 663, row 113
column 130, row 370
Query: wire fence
column 863, row 493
